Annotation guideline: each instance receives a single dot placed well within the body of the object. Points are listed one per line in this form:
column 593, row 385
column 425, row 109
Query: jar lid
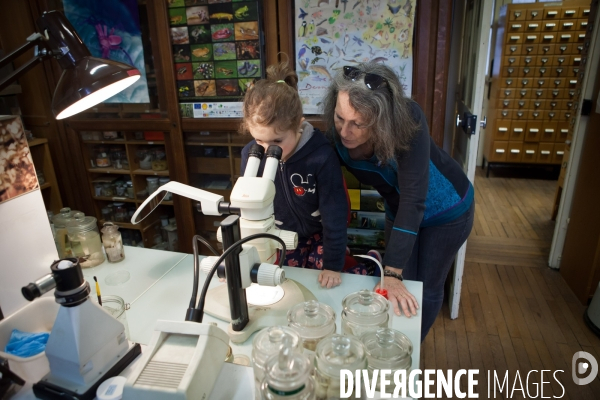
column 109, row 227
column 152, row 179
column 66, row 215
column 287, row 371
column 119, row 204
column 388, row 349
column 81, row 223
column 337, row 352
column 164, row 180
column 270, row 340
column 311, row 319
column 365, row 306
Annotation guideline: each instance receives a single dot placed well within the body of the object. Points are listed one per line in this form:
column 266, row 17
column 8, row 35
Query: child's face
column 267, row 136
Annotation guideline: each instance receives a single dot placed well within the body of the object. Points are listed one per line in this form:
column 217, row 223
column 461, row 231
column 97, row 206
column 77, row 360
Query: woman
column 382, row 138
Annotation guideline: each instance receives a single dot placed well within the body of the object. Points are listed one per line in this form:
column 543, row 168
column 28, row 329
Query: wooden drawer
column 570, row 94
column 538, row 105
column 530, row 49
column 512, row 50
column 502, row 129
column 566, row 37
column 558, row 153
column 562, row 132
column 523, row 94
column 525, row 83
column 583, row 12
column 528, row 61
column 539, row 94
column 573, row 72
column 553, row 105
column 545, row 152
column 509, row 72
column 514, row 38
column 568, row 25
column 517, row 131
column 521, row 104
column 530, row 151
column 515, row 152
column 504, row 114
column 512, row 61
column 547, row 38
column 556, row 94
column 578, row 48
column 566, row 105
column 552, row 13
column 569, row 12
column 535, row 115
column 550, row 26
column 565, row 115
column 509, row 82
column 571, row 83
column 506, row 93
column 544, row 61
column 515, row 27
column 562, row 60
column 582, row 24
column 507, row 104
column 516, row 15
column 551, row 115
column 542, row 72
column 546, row 49
column 498, row 153
column 541, row 83
column 533, row 132
column 534, row 15
column 563, row 49
column 557, row 72
column 519, row 115
column 531, row 38
column 548, row 132
column 575, row 61
column 558, row 83
column 532, row 26
column 579, row 37
column 526, row 72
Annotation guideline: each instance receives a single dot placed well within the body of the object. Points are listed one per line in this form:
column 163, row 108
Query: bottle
column 113, row 243
column 288, row 375
column 60, row 226
column 129, row 189
column 85, row 240
column 364, row 311
column 312, row 321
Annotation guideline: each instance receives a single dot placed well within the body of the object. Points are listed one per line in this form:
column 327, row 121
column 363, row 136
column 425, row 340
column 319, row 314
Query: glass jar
column 120, row 189
column 129, row 189
column 110, row 135
column 312, row 321
column 288, row 376
column 267, row 343
column 85, row 240
column 102, row 157
column 60, row 222
column 334, row 353
column 164, row 181
column 145, row 158
column 113, row 243
column 387, row 349
column 107, row 214
column 120, row 212
column 116, row 155
column 107, row 190
column 97, row 189
column 364, row 311
column 40, row 176
column 152, row 184
column 159, row 159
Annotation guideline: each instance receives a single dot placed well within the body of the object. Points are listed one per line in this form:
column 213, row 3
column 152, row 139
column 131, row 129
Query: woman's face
column 349, row 123
column 267, row 136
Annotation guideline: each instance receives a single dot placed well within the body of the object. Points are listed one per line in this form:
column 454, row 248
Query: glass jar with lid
column 312, row 321
column 113, row 243
column 85, row 240
column 364, row 311
column 129, row 189
column 145, row 158
column 108, row 190
column 164, row 181
column 101, row 155
column 120, row 212
column 288, row 376
column 159, row 159
column 387, row 349
column 116, row 155
column 152, row 184
column 335, row 353
column 267, row 343
column 60, row 222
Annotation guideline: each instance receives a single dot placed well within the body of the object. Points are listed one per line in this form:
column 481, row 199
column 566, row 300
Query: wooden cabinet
column 42, row 160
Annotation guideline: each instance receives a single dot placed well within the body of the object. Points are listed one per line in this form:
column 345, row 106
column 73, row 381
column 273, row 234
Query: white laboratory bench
column 160, row 287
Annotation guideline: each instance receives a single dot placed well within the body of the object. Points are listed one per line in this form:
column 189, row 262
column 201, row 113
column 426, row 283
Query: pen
column 98, row 291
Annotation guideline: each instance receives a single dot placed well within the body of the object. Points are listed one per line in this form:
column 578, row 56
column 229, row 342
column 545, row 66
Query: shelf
column 125, row 225
column 109, row 171
column 45, row 186
column 36, row 142
column 115, row 198
column 145, row 142
column 150, row 172
column 209, row 144
column 114, row 141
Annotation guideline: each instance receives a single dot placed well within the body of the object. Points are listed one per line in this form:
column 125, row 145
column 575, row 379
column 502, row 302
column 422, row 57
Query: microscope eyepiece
column 256, row 150
column 274, row 151
column 31, row 291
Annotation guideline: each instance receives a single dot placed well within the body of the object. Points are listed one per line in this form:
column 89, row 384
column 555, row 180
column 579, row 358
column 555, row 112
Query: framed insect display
column 333, row 33
column 217, row 48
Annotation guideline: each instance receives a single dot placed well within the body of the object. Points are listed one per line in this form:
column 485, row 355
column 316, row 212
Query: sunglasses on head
column 372, row 81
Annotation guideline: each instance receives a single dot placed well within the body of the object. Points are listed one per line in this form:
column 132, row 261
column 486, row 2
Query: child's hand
column 330, row 279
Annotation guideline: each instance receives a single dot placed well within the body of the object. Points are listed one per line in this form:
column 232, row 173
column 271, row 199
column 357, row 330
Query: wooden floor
column 516, row 314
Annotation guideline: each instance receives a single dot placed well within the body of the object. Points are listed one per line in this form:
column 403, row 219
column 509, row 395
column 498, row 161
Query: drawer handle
column 512, row 49
column 555, row 93
column 568, row 115
column 569, row 104
column 557, row 82
column 533, row 26
column 515, row 151
column 567, row 24
column 506, row 103
column 568, row 142
column 517, row 14
column 582, row 36
column 580, row 48
column 509, row 81
column 565, row 36
column 504, row 113
column 545, row 152
column 507, row 92
column 549, row 130
column 542, row 71
column 537, row 104
column 552, row 13
column 516, row 26
column 534, row 130
column 525, row 82
column 534, row 14
column 511, row 60
column 530, row 151
column 521, row 104
column 544, row 60
column 503, row 129
column 559, row 71
column 551, row 115
column 510, row 71
column 527, row 60
column 586, row 11
column 500, row 150
column 515, row 37
column 548, row 37
column 563, row 49
column 571, row 93
column 575, row 71
column 526, row 70
column 560, row 153
column 570, row 12
column 564, row 131
column 539, row 93
column 518, row 130
column 536, row 114
column 552, row 104
column 550, row 26
column 520, row 114
column 529, row 49
column 541, row 82
column 546, row 49
column 531, row 37
column 584, row 24
column 573, row 82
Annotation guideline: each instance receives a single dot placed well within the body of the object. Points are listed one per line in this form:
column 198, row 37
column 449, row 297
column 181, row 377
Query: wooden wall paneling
column 287, row 34
column 442, row 61
column 271, row 26
column 174, row 142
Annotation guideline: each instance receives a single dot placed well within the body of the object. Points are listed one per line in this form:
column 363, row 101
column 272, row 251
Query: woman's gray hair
column 386, row 111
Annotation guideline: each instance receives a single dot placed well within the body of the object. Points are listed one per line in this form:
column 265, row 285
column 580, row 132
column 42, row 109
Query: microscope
column 87, row 345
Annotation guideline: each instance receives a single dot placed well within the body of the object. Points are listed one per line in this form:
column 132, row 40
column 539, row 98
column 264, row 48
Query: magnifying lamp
column 85, row 81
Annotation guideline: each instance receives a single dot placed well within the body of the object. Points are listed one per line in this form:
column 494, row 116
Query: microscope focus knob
column 270, row 275
column 289, row 238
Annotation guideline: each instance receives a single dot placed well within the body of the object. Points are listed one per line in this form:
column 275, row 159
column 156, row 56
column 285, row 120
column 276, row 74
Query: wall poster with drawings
column 333, row 33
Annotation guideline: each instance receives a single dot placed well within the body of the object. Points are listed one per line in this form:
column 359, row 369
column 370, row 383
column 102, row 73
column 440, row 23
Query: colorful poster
column 217, row 49
column 111, row 29
column 334, row 33
column 17, row 172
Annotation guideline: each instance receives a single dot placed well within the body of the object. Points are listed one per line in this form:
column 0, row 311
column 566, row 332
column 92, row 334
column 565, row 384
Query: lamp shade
column 86, row 80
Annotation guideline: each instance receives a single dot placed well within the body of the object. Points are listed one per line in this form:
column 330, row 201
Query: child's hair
column 273, row 101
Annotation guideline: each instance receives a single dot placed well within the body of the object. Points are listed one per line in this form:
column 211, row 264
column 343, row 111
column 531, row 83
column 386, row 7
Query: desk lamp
column 85, row 81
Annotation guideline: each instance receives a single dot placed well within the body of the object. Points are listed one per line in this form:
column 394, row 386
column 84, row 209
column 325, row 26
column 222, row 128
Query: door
column 470, row 38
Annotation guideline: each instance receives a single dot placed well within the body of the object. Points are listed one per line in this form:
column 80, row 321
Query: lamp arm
column 32, row 40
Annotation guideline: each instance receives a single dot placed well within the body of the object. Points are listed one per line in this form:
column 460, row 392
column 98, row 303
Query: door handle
column 459, row 121
column 467, row 123
column 483, row 123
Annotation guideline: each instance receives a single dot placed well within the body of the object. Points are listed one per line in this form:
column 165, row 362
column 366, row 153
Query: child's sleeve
column 333, row 207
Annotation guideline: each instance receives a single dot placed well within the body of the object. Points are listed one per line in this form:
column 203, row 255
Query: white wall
column 26, row 247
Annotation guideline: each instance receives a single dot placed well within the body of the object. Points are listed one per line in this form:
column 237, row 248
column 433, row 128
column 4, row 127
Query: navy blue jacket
column 310, row 196
column 421, row 187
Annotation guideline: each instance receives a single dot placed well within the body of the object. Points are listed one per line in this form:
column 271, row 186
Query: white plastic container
column 38, row 316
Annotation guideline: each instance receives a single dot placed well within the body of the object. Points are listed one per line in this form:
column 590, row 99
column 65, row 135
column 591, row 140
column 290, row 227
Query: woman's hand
column 399, row 296
column 330, row 279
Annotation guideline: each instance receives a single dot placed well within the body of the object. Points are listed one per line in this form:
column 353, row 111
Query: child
column 310, row 198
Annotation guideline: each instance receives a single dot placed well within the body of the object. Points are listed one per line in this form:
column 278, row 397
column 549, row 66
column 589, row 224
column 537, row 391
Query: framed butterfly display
column 217, row 48
column 333, row 33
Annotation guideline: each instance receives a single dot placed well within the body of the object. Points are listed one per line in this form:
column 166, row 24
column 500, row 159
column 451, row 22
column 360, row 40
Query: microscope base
column 217, row 305
column 45, row 389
